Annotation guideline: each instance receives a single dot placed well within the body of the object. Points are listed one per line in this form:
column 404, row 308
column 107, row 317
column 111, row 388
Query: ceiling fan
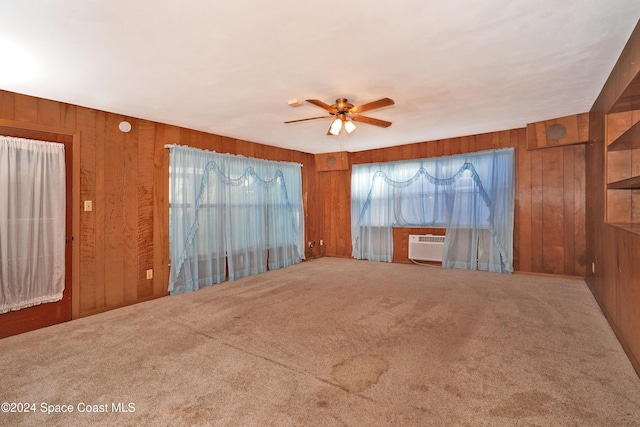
column 346, row 113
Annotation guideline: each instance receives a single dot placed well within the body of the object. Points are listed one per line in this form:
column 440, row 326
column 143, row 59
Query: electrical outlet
column 321, row 242
column 149, row 274
column 88, row 205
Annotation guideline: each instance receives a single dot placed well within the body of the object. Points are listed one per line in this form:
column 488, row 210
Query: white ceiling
column 453, row 68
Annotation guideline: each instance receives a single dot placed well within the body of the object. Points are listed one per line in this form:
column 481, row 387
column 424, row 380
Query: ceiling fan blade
column 384, row 102
column 321, row 104
column 310, row 118
column 371, row 121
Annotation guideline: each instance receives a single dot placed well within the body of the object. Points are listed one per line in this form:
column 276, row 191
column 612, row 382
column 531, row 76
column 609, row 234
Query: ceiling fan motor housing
column 342, row 105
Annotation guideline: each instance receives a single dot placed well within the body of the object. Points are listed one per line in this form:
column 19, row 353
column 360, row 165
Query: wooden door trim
column 75, row 200
column 38, row 127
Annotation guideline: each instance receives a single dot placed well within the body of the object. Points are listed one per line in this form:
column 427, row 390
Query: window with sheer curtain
column 32, row 222
column 472, row 195
column 231, row 211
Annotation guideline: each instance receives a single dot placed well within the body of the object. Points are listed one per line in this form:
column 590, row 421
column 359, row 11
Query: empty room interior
column 356, row 213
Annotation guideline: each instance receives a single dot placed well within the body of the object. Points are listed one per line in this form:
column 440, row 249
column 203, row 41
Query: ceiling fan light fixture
column 336, row 126
column 349, row 126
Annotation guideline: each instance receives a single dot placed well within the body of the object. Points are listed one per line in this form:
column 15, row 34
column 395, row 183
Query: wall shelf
column 632, row 183
column 629, row 140
column 631, row 228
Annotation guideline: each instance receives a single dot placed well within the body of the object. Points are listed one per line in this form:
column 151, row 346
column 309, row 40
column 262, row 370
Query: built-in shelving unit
column 612, row 162
column 623, row 160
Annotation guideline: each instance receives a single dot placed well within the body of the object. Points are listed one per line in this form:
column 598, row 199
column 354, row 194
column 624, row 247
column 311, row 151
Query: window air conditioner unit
column 426, row 247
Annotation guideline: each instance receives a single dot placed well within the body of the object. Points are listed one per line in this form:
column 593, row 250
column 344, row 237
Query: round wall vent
column 556, row 131
column 331, row 161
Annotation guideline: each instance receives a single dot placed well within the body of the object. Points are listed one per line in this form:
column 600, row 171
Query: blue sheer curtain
column 471, row 194
column 231, row 211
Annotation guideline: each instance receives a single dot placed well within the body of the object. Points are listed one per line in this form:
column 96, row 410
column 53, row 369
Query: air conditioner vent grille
column 425, row 247
column 431, row 239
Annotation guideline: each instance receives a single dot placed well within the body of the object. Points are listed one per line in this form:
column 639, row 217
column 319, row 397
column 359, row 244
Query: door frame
column 73, row 199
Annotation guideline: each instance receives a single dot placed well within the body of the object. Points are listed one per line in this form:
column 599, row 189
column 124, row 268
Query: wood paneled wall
column 125, row 175
column 549, row 235
column 615, row 278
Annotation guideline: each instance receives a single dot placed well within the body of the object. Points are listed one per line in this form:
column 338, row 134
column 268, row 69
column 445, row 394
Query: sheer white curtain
column 471, row 194
column 234, row 211
column 32, row 222
column 480, row 229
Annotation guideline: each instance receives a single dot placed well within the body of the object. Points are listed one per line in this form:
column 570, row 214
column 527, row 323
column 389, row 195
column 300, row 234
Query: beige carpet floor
column 333, row 342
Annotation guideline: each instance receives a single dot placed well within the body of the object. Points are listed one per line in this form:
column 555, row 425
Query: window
column 231, row 211
column 470, row 194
